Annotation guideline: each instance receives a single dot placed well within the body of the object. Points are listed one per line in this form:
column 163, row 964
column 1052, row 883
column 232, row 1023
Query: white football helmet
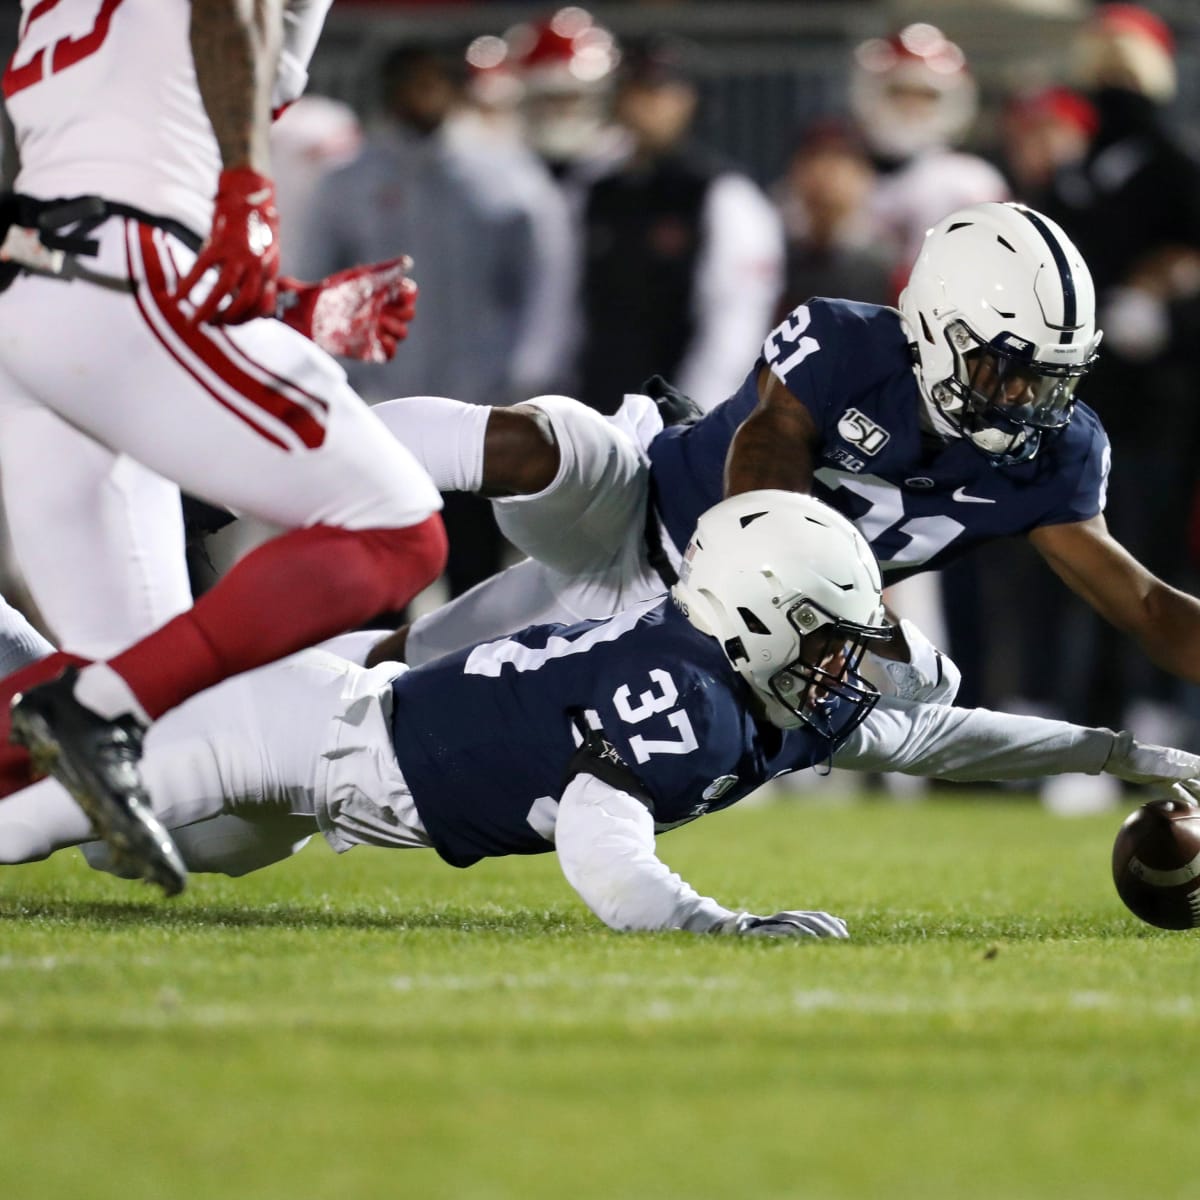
column 565, row 66
column 912, row 92
column 791, row 590
column 1001, row 312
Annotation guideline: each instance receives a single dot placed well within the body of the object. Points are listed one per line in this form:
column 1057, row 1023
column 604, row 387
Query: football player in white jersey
column 140, row 353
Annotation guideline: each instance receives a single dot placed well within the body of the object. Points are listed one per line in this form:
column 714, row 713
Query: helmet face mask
column 1001, row 311
column 791, row 591
column 1001, row 399
column 825, row 670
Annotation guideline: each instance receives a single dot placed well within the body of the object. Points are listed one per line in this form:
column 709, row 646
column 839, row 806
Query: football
column 1156, row 863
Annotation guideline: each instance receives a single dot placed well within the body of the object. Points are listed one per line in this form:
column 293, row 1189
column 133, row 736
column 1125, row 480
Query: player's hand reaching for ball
column 788, row 924
column 242, row 248
column 361, row 313
column 1135, row 762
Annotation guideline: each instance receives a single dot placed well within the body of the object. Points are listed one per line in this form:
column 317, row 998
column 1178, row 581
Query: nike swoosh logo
column 961, row 496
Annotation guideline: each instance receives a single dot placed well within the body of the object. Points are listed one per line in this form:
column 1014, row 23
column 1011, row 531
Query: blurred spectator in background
column 414, row 189
column 566, row 65
column 683, row 254
column 832, row 249
column 488, row 113
column 1043, row 131
column 488, row 123
column 1132, row 205
column 915, row 100
column 312, row 137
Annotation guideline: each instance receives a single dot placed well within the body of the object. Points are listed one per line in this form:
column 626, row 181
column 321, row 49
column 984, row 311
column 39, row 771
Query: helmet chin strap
column 996, row 441
column 934, row 419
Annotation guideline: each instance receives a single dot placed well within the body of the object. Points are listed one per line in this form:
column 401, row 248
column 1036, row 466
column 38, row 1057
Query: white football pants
column 105, row 396
column 244, row 773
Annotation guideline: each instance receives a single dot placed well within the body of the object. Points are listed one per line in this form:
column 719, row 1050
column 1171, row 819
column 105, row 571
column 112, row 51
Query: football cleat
column 96, row 759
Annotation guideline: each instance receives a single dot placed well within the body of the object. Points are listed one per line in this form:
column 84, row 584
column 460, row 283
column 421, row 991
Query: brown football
column 1156, row 863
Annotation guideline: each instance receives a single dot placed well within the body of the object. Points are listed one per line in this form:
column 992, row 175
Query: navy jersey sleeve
column 827, row 351
column 1081, row 454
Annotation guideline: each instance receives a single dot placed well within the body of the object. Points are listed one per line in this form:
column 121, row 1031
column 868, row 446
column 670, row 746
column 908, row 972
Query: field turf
column 381, row 1025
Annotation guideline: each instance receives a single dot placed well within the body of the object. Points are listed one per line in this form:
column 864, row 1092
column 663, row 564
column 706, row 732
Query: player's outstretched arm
column 912, row 667
column 1094, row 565
column 235, row 49
column 604, row 836
column 976, row 744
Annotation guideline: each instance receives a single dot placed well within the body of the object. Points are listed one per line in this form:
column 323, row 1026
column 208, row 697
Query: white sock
column 445, row 436
column 102, row 690
column 38, row 820
column 20, row 643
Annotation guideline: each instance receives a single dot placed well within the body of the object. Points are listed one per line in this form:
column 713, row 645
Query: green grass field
column 381, row 1025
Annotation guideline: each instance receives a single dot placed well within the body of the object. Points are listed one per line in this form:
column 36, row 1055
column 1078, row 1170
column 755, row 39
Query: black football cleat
column 96, row 759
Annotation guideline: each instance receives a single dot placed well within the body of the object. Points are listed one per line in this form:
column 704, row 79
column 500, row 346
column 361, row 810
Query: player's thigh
column 527, row 593
column 251, row 743
column 595, row 509
column 530, row 593
column 97, row 536
column 255, row 417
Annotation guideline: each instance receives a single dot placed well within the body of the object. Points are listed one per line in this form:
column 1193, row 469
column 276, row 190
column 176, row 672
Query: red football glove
column 362, row 312
column 243, row 247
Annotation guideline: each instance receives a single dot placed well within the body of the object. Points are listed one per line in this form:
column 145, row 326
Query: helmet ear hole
column 925, row 329
column 735, row 650
column 752, row 622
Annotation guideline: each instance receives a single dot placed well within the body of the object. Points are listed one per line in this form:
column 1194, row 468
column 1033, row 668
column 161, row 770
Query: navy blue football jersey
column 918, row 501
column 484, row 737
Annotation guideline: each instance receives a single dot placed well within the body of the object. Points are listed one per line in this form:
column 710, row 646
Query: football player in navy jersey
column 935, row 428
column 587, row 739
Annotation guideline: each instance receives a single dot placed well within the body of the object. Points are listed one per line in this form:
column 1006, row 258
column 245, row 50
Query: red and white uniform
column 104, row 100
column 105, row 396
column 103, row 97
column 914, row 197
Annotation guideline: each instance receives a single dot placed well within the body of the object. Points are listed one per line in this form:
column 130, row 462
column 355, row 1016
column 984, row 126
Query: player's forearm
column 605, row 844
column 971, row 744
column 1169, row 633
column 235, row 48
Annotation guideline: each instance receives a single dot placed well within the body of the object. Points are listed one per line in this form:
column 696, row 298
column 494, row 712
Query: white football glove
column 1135, row 763
column 787, row 924
column 1187, row 791
column 929, row 675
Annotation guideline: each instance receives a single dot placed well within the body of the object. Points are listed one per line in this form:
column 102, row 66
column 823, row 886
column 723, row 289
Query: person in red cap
column 1044, row 129
column 914, row 99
